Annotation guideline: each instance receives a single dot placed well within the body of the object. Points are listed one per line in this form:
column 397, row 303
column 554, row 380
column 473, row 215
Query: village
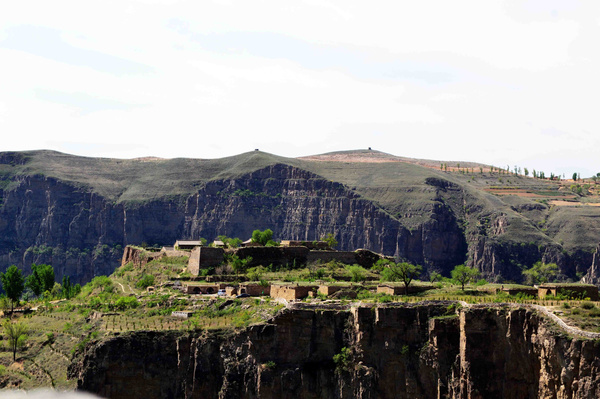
column 300, row 253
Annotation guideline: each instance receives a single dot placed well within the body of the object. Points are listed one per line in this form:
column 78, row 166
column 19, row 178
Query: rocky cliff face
column 78, row 213
column 420, row 351
column 80, row 233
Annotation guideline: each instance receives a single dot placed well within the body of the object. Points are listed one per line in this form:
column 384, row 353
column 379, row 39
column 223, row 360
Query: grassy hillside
column 538, row 210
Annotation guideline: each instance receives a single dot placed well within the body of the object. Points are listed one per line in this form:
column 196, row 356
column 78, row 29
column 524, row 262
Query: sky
column 499, row 82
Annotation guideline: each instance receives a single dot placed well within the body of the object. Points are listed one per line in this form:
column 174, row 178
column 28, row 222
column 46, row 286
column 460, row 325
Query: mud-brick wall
column 203, row 257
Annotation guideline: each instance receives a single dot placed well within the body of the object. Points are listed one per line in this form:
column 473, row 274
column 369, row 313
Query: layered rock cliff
column 81, row 233
column 78, row 213
column 419, row 351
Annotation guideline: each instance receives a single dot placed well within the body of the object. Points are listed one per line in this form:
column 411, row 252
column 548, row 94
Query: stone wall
column 277, row 256
column 204, row 257
column 138, row 257
column 346, row 257
column 255, row 289
column 291, row 292
column 399, row 289
column 330, row 289
column 201, row 289
column 172, row 252
column 587, row 291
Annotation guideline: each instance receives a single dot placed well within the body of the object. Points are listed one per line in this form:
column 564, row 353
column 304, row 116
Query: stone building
column 292, row 292
column 580, row 290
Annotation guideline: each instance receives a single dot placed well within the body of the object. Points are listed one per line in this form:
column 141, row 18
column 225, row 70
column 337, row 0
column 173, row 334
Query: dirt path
column 569, row 329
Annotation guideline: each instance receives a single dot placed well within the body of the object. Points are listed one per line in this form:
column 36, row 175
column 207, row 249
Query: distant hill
column 78, row 212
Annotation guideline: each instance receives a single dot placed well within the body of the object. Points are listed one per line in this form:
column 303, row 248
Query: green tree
column 13, row 283
column 526, row 171
column 330, row 240
column 434, row 276
column 41, row 279
column 238, row 265
column 463, row 274
column 404, row 271
column 262, row 237
column 16, row 335
column 230, row 242
column 69, row 290
column 575, row 176
column 541, row 273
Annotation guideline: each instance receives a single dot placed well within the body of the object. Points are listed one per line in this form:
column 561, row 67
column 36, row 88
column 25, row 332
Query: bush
column 357, row 273
column 270, row 365
column 342, row 360
column 145, row 281
column 587, row 305
column 102, row 282
column 126, row 302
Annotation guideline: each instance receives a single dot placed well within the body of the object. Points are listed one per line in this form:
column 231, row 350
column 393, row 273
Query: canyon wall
column 43, row 220
column 81, row 222
column 396, row 351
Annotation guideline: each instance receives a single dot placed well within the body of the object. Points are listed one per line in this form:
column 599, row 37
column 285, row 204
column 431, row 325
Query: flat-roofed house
column 187, row 244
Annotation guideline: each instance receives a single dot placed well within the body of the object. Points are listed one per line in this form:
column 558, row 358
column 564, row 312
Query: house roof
column 190, row 242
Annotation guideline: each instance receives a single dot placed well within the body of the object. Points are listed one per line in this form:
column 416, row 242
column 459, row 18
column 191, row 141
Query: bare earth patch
column 519, row 193
column 568, row 203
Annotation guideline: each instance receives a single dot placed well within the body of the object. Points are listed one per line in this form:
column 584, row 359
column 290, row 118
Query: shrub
column 50, row 338
column 357, row 273
column 342, row 360
column 587, row 305
column 126, row 302
column 270, row 365
column 145, row 281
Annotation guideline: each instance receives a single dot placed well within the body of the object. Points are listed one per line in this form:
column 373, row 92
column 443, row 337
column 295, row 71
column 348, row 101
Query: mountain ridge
column 497, row 221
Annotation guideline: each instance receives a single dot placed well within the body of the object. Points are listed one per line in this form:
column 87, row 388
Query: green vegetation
column 264, row 238
column 41, row 279
column 462, row 275
column 13, row 283
column 330, row 240
column 16, row 335
column 541, row 273
column 342, row 360
column 403, row 271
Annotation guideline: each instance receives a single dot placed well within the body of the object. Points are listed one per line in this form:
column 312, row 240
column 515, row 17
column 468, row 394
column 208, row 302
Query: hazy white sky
column 500, row 82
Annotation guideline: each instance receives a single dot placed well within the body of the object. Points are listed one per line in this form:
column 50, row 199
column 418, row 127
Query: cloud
column 48, row 43
column 85, row 103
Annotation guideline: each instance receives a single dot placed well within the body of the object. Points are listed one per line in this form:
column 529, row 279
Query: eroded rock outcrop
column 394, row 351
column 43, row 220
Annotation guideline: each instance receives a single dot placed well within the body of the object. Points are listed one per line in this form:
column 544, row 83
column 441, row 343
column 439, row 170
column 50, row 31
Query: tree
column 463, row 274
column 526, row 171
column 238, row 265
column 13, row 283
column 16, row 334
column 404, row 271
column 262, row 237
column 541, row 273
column 230, row 242
column 41, row 279
column 575, row 176
column 69, row 290
column 434, row 276
column 330, row 240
